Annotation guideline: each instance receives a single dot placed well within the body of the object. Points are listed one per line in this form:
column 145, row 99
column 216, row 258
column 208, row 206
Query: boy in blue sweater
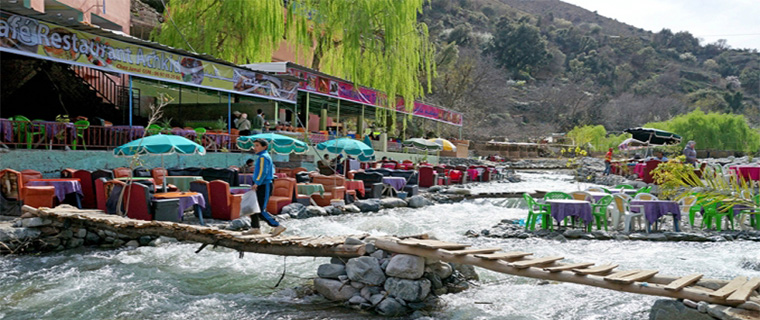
column 263, row 174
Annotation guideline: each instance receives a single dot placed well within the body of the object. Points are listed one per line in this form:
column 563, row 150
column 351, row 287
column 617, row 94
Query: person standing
column 258, row 121
column 608, row 162
column 244, row 125
column 263, row 174
column 237, row 118
column 690, row 153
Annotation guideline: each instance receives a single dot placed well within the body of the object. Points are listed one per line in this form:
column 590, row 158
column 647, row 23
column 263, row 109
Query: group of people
column 689, row 153
column 246, row 127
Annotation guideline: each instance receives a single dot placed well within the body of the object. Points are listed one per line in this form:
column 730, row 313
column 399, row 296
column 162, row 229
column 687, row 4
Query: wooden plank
column 638, row 276
column 504, row 256
column 534, row 262
column 742, row 294
column 473, row 251
column 569, row 267
column 621, row 274
column 596, row 270
column 729, row 288
column 433, row 244
column 682, row 282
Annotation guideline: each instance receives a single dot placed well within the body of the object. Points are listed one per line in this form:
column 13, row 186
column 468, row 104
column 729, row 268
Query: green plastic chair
column 624, row 186
column 535, row 210
column 713, row 213
column 599, row 210
column 607, row 190
column 754, row 214
column 199, row 132
column 81, row 126
column 646, row 189
column 37, row 130
column 154, row 129
column 22, row 129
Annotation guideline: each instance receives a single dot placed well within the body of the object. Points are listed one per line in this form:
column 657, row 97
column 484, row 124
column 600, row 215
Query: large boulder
column 352, row 208
column 668, row 309
column 441, row 269
column 333, row 211
column 418, row 201
column 331, row 270
column 389, row 307
column 408, row 290
column 369, row 205
column 295, row 210
column 365, row 270
column 240, row 223
column 315, row 211
column 458, row 191
column 333, row 289
column 392, row 203
column 406, row 266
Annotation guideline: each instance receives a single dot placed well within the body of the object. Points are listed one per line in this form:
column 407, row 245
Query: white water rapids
column 172, row 282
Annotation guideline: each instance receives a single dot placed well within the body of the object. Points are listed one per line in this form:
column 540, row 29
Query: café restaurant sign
column 348, row 91
column 30, row 37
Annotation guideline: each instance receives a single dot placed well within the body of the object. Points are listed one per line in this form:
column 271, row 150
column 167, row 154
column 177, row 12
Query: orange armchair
column 27, row 175
column 282, row 194
column 224, row 206
column 39, row 196
column 334, row 189
column 11, row 184
column 122, row 172
column 67, row 173
column 158, row 175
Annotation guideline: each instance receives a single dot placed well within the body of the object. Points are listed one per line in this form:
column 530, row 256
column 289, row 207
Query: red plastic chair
column 282, row 194
column 39, row 196
column 100, row 194
column 456, row 176
column 11, row 184
column 88, row 188
column 427, row 177
column 224, row 206
column 136, row 200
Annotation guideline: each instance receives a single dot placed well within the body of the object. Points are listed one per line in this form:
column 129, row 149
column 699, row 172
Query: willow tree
column 375, row 43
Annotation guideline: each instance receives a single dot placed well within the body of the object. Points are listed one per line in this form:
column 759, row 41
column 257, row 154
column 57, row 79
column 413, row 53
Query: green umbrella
column 277, row 143
column 421, row 144
column 349, row 146
column 159, row 145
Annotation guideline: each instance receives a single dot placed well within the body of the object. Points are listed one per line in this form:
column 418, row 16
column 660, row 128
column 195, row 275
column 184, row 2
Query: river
column 172, row 282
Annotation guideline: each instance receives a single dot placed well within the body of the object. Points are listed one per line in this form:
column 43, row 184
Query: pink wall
column 116, row 11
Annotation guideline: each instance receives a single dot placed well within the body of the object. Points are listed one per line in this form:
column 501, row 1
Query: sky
column 737, row 21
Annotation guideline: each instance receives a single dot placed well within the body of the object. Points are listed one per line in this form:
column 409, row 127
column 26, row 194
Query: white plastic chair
column 595, row 189
column 623, row 209
column 746, row 194
column 645, row 196
column 685, row 204
column 582, row 195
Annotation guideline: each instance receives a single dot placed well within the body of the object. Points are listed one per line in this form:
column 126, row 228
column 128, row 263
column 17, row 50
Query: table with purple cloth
column 62, row 186
column 472, row 174
column 239, row 190
column 397, row 183
column 187, row 133
column 186, row 200
column 220, row 139
column 6, row 127
column 245, row 178
column 561, row 209
column 654, row 209
column 122, row 134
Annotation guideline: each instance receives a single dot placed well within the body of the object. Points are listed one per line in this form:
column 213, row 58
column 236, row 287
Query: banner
column 347, row 91
column 43, row 40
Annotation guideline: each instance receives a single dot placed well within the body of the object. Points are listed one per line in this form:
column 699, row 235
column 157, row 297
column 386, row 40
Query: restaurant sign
column 348, row 91
column 30, row 37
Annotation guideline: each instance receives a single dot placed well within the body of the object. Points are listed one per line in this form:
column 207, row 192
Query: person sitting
column 660, row 156
column 324, row 166
column 248, row 166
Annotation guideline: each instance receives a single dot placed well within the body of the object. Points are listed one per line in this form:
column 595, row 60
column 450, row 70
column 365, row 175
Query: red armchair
column 11, row 184
column 428, row 177
column 282, row 194
column 224, row 206
column 88, row 188
column 67, row 173
column 650, row 166
column 122, row 172
column 334, row 189
column 39, row 196
column 136, row 201
column 27, row 175
column 158, row 175
column 100, row 194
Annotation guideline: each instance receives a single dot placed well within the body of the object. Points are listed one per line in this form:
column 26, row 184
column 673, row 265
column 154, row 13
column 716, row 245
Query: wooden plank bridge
column 609, row 276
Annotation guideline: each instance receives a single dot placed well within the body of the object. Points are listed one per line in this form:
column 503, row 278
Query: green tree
column 750, row 79
column 519, row 47
column 344, row 36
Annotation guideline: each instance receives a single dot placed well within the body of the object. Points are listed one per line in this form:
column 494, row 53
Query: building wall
column 116, row 11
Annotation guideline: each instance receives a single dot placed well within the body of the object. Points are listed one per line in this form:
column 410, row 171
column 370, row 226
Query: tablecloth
column 62, row 186
column 747, row 172
column 239, row 190
column 623, row 191
column 187, row 133
column 182, row 182
column 357, row 185
column 472, row 174
column 561, row 209
column 245, row 178
column 309, row 188
column 186, row 200
column 654, row 209
column 123, row 134
column 597, row 195
column 397, row 183
column 6, row 127
column 639, row 169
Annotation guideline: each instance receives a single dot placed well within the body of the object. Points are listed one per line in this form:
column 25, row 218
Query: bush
column 595, row 138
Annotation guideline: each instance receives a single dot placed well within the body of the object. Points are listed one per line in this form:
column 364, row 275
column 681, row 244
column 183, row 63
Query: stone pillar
column 384, row 142
column 323, row 119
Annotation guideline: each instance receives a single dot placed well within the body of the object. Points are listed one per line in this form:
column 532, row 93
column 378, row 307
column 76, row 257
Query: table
column 654, row 209
column 186, row 200
column 639, row 169
column 6, row 128
column 182, row 182
column 310, row 188
column 397, row 183
column 747, row 172
column 357, row 185
column 561, row 209
column 239, row 190
column 245, row 178
column 62, row 187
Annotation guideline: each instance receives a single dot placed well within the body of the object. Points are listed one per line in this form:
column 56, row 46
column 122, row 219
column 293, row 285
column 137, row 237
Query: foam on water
column 172, row 282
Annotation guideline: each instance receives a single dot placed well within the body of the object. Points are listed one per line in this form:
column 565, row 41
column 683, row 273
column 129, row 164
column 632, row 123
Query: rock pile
column 391, row 285
column 667, row 309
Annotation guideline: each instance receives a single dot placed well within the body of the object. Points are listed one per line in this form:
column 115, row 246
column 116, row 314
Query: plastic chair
column 29, row 174
column 122, row 172
column 81, row 126
column 599, row 210
column 712, row 212
column 85, row 180
column 22, row 127
column 535, row 210
column 39, row 196
column 623, row 210
column 645, row 197
column 623, row 186
column 154, row 129
column 582, row 195
column 557, row 195
column 686, row 204
column 199, row 133
column 595, row 189
column 136, row 200
column 647, row 189
column 11, row 184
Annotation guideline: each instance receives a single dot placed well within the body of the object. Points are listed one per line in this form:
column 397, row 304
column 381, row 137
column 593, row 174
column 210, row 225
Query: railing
column 101, row 83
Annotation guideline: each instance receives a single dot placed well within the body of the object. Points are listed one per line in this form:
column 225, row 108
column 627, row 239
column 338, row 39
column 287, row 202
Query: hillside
column 522, row 69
